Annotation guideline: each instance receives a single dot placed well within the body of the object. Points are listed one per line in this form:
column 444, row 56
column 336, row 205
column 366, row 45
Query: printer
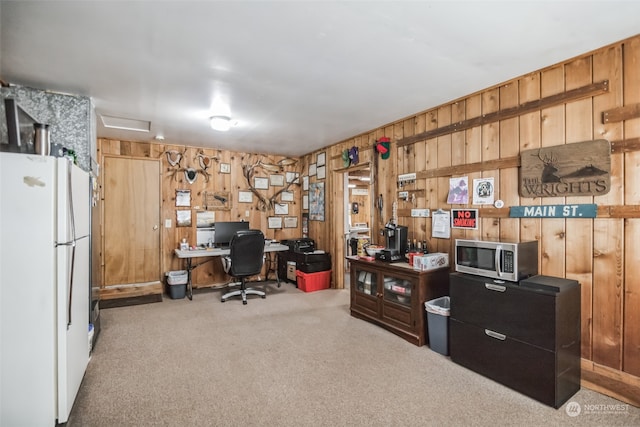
column 300, row 245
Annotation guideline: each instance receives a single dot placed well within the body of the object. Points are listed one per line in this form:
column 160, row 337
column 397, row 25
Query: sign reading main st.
column 554, row 211
column 579, row 169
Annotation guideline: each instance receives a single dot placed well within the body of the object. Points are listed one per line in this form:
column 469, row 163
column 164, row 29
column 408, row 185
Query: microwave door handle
column 497, row 259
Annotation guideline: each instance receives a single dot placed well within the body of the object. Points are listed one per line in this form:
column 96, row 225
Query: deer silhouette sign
column 549, row 170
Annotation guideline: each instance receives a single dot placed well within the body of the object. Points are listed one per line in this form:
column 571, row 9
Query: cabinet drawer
column 527, row 369
column 516, row 312
column 365, row 304
column 398, row 314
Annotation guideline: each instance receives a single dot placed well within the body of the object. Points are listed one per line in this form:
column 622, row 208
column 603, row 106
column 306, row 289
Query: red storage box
column 310, row 282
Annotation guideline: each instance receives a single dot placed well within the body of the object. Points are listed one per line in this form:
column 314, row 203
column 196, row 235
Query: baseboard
column 130, row 294
column 121, row 302
column 611, row 382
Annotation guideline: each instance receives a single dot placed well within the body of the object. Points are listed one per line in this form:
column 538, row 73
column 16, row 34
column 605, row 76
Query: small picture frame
column 291, row 222
column 286, row 196
column 292, row 177
column 312, row 169
column 225, row 168
column 322, row 171
column 183, row 218
column 305, row 183
column 305, row 201
column 261, row 183
column 245, row 197
column 321, row 159
column 275, row 222
column 281, row 208
column 276, row 180
column 183, row 198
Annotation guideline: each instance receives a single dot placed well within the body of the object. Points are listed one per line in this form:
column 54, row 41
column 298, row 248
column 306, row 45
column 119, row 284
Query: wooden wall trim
column 621, row 113
column 508, row 113
column 625, row 145
column 604, row 211
column 605, row 380
column 507, row 162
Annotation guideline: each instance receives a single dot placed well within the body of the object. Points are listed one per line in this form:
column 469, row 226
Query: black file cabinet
column 524, row 335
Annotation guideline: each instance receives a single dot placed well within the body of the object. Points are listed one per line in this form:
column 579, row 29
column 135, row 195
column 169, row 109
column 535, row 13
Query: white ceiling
column 296, row 75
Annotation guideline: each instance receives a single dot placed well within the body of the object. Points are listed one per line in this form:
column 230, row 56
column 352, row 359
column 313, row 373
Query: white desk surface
column 210, row 252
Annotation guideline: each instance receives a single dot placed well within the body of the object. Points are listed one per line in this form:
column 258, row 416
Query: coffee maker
column 395, row 237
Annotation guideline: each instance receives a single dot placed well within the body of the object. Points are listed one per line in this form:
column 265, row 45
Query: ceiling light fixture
column 221, row 123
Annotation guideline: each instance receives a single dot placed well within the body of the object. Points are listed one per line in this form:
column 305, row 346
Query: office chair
column 245, row 260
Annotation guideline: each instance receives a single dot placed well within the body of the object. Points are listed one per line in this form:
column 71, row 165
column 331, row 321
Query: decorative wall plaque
column 578, row 169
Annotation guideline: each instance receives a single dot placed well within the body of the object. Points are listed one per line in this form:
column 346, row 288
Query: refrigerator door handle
column 72, row 243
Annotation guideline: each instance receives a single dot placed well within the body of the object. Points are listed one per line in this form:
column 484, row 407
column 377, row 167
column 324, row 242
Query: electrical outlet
column 246, row 213
column 167, row 223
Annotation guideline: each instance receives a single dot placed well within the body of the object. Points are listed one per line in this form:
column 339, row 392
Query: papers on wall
column 441, row 224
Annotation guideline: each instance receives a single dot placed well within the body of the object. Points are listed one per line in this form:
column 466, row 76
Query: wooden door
column 131, row 220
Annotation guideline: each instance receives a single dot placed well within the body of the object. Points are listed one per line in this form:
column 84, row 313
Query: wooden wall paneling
column 430, row 185
column 458, row 157
column 509, row 147
column 420, row 153
column 473, row 150
column 490, row 227
column 552, row 133
column 444, row 159
column 579, row 234
column 631, row 361
column 387, row 173
column 529, row 128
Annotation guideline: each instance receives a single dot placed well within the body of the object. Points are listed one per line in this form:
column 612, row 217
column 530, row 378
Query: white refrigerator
column 44, row 287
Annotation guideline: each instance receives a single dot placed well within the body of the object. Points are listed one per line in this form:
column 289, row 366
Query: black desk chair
column 246, row 259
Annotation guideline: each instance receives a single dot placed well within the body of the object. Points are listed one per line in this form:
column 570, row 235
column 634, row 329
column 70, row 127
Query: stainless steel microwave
column 498, row 260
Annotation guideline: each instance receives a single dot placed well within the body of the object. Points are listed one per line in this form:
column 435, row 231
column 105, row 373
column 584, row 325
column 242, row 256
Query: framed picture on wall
column 281, row 208
column 261, row 183
column 183, row 218
column 312, row 169
column 245, row 197
column 316, row 201
column 321, row 159
column 292, row 177
column 305, row 202
column 305, row 183
column 275, row 222
column 183, row 197
column 322, row 172
column 290, row 222
column 276, row 180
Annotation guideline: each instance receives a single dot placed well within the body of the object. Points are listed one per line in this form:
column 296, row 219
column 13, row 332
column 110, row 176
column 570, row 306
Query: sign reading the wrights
column 579, row 169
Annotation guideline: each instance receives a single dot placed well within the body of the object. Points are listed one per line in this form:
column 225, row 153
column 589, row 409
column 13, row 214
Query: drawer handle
column 495, row 335
column 493, row 287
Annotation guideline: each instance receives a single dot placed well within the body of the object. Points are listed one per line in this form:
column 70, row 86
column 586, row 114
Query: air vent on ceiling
column 125, row 124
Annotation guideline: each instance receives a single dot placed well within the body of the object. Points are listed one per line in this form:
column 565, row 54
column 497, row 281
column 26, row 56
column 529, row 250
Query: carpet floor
column 294, row 359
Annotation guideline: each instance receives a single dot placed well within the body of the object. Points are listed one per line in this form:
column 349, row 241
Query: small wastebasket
column 177, row 283
column 438, row 324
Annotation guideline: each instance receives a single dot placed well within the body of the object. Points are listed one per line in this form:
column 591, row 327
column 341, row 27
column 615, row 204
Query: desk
column 188, row 255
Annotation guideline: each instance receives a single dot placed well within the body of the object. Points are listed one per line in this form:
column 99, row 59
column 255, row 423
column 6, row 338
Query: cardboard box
column 430, row 261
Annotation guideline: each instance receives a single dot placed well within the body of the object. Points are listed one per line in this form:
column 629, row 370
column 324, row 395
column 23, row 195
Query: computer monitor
column 224, row 231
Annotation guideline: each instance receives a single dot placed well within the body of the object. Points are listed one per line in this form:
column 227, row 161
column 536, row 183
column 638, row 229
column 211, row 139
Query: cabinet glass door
column 397, row 290
column 366, row 282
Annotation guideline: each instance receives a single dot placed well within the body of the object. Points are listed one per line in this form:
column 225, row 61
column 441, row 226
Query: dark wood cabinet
column 392, row 295
column 525, row 336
